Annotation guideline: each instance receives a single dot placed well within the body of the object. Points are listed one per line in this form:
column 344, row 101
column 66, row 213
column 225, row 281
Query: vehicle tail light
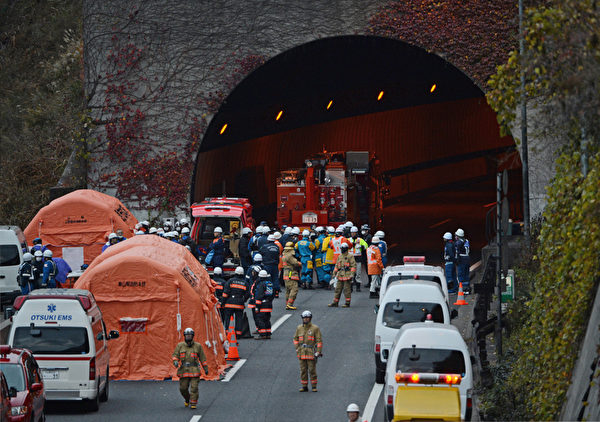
column 19, row 302
column 85, row 301
column 92, row 376
column 390, row 399
column 469, row 402
column 377, row 344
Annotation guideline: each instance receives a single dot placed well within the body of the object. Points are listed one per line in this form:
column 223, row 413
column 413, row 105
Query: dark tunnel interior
column 433, row 139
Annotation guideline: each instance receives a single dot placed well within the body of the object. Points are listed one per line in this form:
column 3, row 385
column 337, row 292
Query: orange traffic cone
column 460, row 300
column 233, row 353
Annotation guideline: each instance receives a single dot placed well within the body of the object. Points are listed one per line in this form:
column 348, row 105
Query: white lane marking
column 279, row 322
column 372, row 402
column 195, row 418
column 233, row 370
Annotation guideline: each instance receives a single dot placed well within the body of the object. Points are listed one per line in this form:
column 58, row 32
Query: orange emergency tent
column 81, row 219
column 144, row 287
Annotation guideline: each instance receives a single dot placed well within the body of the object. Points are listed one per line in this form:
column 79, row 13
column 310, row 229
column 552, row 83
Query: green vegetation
column 41, row 100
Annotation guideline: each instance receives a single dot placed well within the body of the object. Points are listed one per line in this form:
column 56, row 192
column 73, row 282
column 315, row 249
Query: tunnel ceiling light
column 279, row 115
column 223, row 129
column 329, row 104
column 380, row 96
column 433, row 87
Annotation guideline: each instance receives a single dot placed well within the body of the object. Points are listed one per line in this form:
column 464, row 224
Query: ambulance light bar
column 414, row 259
column 425, row 378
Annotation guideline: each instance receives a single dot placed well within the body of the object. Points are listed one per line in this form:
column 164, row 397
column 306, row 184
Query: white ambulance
column 65, row 331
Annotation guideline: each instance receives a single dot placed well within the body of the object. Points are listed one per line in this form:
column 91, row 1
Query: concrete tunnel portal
column 435, row 140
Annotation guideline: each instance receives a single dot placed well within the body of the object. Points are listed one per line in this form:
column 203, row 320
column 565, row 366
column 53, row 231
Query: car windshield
column 14, row 375
column 399, row 277
column 396, row 314
column 53, row 340
column 9, row 255
column 207, row 229
column 440, row 361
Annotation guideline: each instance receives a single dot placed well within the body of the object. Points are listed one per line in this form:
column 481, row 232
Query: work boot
column 290, row 307
column 260, row 338
column 310, row 287
column 333, row 305
column 346, row 305
column 303, row 389
column 186, row 404
column 193, row 406
column 358, row 287
column 314, row 388
column 373, row 295
column 303, row 285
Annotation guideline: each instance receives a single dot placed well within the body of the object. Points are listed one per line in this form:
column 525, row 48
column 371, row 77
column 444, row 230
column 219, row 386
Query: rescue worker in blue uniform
column 245, row 258
column 37, row 246
column 253, row 242
column 218, row 248
column 450, row 262
column 218, row 278
column 186, row 240
column 382, row 245
column 38, row 263
column 463, row 261
column 235, row 294
column 50, row 270
column 318, row 258
column 264, row 237
column 270, row 255
column 27, row 274
column 305, row 249
column 263, row 299
column 251, row 281
column 327, row 256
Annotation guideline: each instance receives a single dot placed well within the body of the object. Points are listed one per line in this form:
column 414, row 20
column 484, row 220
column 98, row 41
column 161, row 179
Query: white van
column 404, row 302
column 414, row 268
column 65, row 331
column 429, row 354
column 11, row 257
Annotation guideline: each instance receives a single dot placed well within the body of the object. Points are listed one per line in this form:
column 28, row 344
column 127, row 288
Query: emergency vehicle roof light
column 413, row 259
column 380, row 96
column 425, row 378
column 223, row 129
column 433, row 87
column 279, row 115
column 85, row 301
column 19, row 302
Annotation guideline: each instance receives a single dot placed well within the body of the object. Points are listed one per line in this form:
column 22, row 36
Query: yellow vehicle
column 427, row 403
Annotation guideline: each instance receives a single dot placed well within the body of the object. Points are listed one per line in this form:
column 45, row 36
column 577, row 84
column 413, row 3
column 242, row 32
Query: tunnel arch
column 432, row 131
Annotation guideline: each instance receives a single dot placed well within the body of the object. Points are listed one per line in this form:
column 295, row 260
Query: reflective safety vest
column 336, row 245
column 374, row 262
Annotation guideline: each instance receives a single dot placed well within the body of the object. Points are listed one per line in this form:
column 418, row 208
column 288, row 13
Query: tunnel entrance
column 433, row 137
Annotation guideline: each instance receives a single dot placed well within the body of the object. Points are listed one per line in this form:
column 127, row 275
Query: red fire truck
column 333, row 187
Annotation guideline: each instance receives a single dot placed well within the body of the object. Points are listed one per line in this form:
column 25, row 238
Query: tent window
column 133, row 325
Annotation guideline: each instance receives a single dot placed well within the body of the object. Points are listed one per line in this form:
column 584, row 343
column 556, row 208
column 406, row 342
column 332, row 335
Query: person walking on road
column 235, row 294
column 27, row 274
column 188, row 357
column 450, row 262
column 463, row 261
column 263, row 299
column 374, row 266
column 270, row 256
column 309, row 347
column 290, row 276
column 344, row 271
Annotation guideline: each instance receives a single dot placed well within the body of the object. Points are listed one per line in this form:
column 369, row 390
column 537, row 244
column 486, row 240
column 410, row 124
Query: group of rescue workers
column 40, row 270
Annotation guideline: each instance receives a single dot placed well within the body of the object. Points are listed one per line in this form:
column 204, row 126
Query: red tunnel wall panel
column 398, row 137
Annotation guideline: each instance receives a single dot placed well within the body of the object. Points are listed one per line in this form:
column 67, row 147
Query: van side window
column 97, row 328
column 9, row 255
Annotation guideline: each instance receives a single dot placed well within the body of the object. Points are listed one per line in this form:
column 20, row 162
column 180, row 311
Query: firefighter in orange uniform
column 344, row 271
column 309, row 346
column 188, row 357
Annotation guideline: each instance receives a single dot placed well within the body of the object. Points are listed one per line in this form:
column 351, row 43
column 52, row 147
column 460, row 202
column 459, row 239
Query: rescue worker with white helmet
column 218, row 248
column 308, row 342
column 374, row 266
column 305, row 249
column 113, row 239
column 344, row 271
column 186, row 240
column 359, row 249
column 244, row 248
column 38, row 263
column 27, row 274
column 270, row 253
column 463, row 261
column 450, row 262
column 50, row 270
column 263, row 299
column 365, row 234
column 353, row 412
column 188, row 357
column 290, row 275
column 382, row 247
column 217, row 277
column 319, row 257
column 235, row 294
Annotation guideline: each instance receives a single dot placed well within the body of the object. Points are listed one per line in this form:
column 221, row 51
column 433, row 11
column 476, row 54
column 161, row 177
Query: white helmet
column 296, row 231
column 112, row 236
column 183, row 221
column 305, row 232
column 152, row 230
column 140, row 232
column 47, row 253
column 160, row 230
column 266, row 229
column 375, row 240
column 288, row 230
column 239, row 271
column 340, row 229
column 38, row 253
column 380, row 234
column 447, row 236
column 27, row 257
column 188, row 331
column 271, row 238
column 349, row 224
column 277, row 235
column 218, row 230
column 246, row 230
column 330, row 229
column 306, row 314
column 263, row 274
column 460, row 233
column 217, row 271
column 145, row 223
column 353, row 407
column 184, row 230
column 319, row 229
column 258, row 258
column 354, row 229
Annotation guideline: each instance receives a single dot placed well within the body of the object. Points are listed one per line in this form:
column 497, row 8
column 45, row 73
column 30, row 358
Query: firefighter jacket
column 189, row 358
column 462, row 250
column 218, row 246
column 336, row 245
column 270, row 254
column 220, row 281
column 244, row 248
column 449, row 252
column 327, row 250
column 290, row 264
column 359, row 247
column 235, row 293
column 345, row 267
column 308, row 341
column 374, row 262
column 305, row 248
column 263, row 295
